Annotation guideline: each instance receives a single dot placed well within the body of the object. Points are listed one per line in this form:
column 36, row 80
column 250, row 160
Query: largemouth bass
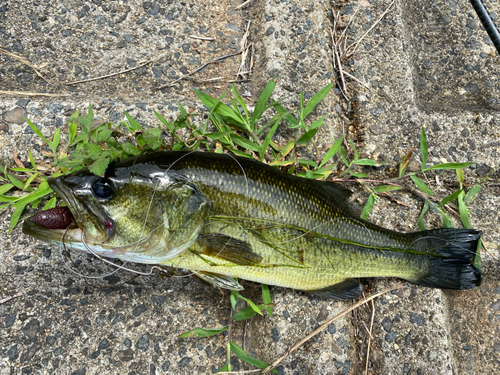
column 224, row 218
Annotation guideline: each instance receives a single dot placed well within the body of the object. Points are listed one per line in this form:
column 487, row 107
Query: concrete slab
column 427, row 63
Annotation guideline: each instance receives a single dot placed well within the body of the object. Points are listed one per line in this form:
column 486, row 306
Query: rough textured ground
column 428, row 64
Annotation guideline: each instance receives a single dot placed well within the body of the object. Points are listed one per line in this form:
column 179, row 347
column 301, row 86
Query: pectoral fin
column 345, row 290
column 215, row 279
column 230, row 249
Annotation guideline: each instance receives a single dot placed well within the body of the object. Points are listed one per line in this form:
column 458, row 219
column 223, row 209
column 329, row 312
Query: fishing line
column 487, row 22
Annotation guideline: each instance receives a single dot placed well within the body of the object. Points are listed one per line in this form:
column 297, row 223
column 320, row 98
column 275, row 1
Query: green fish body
column 224, row 217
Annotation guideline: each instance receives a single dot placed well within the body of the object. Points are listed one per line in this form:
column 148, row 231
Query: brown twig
column 7, row 299
column 243, row 4
column 21, row 93
column 356, row 43
column 217, row 59
column 116, row 73
column 369, row 338
column 327, row 323
column 26, row 62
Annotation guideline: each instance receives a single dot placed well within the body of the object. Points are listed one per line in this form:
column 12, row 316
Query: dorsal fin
column 340, row 194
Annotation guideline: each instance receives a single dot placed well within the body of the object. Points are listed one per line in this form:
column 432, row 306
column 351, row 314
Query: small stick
column 341, row 72
column 22, row 93
column 7, row 299
column 355, row 44
column 357, row 80
column 327, row 323
column 24, row 61
column 201, row 37
column 109, row 75
column 198, row 69
column 244, row 4
column 370, row 338
column 242, row 372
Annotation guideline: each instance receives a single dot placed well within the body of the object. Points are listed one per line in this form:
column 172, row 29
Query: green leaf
column 316, row 99
column 72, row 128
column 99, row 166
column 103, row 135
column 308, row 163
column 29, row 181
column 343, row 156
column 5, row 188
column 204, row 332
column 240, row 101
column 358, row 175
column 244, row 356
column 463, row 211
column 450, row 198
column 130, row 149
column 245, row 143
column 292, row 122
column 6, row 198
column 307, row 136
column 261, row 104
column 420, row 220
column 266, row 297
column 37, row 131
column 92, row 149
column 368, row 207
column 51, row 203
column 447, row 222
column 218, row 135
column 369, row 162
column 472, row 193
column 16, row 215
column 32, row 160
column 132, row 125
column 421, row 185
column 240, row 153
column 318, row 123
column 477, row 258
column 224, row 368
column 448, row 166
column 384, row 188
column 17, row 183
column 153, row 138
column 423, row 148
column 55, row 141
column 460, row 175
column 266, row 142
column 217, row 106
column 281, row 163
column 332, row 151
column 22, row 170
column 247, row 313
column 252, row 305
column 233, row 297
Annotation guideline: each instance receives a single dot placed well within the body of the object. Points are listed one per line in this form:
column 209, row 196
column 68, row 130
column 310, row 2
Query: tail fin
column 453, row 251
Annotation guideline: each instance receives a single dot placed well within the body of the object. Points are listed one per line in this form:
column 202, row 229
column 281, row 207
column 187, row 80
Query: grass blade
column 370, row 162
column 368, row 207
column 307, row 136
column 448, row 166
column 261, row 104
column 421, row 185
column 384, row 188
column 423, row 148
column 316, row 99
column 5, row 188
column 404, row 162
column 450, row 198
column 244, row 356
column 37, row 131
column 16, row 215
column 216, row 106
column 245, row 143
column 266, row 297
column 463, row 211
column 266, row 142
column 252, row 305
column 420, row 220
column 204, row 332
column 332, row 151
column 472, row 193
column 247, row 313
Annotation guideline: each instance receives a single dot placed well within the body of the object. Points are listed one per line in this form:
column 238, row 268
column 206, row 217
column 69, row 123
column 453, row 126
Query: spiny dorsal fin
column 345, row 290
column 230, row 249
column 216, row 279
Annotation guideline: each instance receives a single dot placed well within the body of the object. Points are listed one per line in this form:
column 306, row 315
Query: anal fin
column 215, row 279
column 228, row 248
column 345, row 290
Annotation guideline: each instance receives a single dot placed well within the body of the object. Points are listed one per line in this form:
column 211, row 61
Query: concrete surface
column 428, row 63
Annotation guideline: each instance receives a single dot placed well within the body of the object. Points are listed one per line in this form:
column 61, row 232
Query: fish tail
column 451, row 263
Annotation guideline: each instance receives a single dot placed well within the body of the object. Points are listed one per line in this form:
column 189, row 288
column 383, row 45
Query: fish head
column 140, row 218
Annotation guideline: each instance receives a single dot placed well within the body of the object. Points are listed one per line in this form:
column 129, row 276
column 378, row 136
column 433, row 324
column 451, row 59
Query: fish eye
column 103, row 189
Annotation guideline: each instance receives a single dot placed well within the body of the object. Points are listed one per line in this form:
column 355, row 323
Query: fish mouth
column 68, row 223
